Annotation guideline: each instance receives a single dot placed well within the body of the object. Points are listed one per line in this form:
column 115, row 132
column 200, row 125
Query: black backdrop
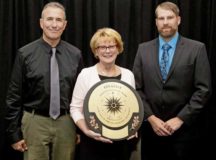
column 134, row 19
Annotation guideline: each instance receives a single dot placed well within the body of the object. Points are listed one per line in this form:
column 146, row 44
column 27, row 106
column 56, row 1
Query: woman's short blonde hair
column 106, row 33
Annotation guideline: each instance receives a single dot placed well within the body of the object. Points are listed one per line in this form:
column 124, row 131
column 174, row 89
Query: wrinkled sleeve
column 79, row 92
column 14, row 102
column 139, row 81
column 202, row 85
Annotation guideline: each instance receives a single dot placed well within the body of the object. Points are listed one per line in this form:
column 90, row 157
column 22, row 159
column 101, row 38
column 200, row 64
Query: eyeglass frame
column 104, row 48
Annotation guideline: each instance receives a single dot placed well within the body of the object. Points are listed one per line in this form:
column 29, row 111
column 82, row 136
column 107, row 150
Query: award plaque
column 114, row 109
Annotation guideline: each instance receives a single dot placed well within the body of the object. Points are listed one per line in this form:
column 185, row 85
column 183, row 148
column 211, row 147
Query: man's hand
column 173, row 124
column 158, row 126
column 20, row 146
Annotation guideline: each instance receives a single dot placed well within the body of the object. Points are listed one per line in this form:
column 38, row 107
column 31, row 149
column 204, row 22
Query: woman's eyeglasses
column 104, row 48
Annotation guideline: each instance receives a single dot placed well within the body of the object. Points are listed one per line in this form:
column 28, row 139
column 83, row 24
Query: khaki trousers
column 48, row 139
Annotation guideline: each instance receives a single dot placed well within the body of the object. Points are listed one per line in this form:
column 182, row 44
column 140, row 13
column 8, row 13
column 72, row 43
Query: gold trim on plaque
column 115, row 134
column 114, row 109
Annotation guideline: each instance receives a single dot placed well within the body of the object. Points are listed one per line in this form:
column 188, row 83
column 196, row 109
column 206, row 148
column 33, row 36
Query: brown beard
column 168, row 34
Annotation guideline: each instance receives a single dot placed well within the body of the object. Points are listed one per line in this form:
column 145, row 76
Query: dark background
column 133, row 19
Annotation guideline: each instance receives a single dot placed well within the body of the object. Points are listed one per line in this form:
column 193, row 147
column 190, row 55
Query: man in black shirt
column 39, row 136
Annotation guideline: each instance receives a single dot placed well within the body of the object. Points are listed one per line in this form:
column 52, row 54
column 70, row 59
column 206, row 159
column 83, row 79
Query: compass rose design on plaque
column 114, row 109
column 113, row 105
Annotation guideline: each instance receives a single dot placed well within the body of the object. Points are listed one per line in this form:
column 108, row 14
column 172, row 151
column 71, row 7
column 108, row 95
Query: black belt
column 45, row 113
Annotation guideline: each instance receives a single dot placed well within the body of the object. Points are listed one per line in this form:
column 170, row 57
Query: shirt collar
column 48, row 48
column 172, row 42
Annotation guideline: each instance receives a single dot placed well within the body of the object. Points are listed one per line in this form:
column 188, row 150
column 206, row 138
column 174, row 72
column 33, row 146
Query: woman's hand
column 97, row 136
column 133, row 136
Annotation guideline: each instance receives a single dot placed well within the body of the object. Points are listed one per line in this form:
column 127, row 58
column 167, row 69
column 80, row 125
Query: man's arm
column 138, row 74
column 202, row 85
column 14, row 103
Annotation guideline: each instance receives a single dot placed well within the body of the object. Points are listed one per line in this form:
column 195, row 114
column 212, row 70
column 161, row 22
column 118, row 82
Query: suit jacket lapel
column 176, row 57
column 155, row 57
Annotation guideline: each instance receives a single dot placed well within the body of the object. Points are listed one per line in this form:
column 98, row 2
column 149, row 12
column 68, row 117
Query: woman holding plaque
column 106, row 44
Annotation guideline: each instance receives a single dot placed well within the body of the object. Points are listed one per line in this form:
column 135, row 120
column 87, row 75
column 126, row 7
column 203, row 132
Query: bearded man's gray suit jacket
column 187, row 88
